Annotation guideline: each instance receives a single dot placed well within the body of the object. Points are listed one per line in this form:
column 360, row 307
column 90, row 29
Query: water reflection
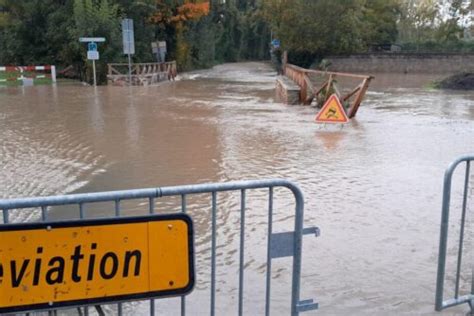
column 330, row 140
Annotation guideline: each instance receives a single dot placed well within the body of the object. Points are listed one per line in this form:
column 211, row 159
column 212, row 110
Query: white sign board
column 93, row 55
column 154, row 47
column 128, row 37
column 92, row 39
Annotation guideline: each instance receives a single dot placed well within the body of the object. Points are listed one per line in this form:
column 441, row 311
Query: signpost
column 276, row 43
column 160, row 50
column 51, row 265
column 128, row 38
column 91, row 39
column 332, row 112
column 92, row 52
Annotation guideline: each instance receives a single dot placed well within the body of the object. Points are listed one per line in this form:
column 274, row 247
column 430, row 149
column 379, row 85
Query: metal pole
column 242, row 252
column 269, row 252
column 297, row 244
column 129, row 70
column 443, row 242
column 53, row 74
column 93, row 69
column 213, row 253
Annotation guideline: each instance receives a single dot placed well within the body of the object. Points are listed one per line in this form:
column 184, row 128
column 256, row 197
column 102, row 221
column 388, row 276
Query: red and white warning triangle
column 332, row 112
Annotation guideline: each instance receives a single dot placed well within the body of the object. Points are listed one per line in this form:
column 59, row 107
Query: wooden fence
column 307, row 80
column 142, row 74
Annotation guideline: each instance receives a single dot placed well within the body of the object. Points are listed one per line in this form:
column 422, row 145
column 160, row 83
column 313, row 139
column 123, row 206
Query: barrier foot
column 307, row 305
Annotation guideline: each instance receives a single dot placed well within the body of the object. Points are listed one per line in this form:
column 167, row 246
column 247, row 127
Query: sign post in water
column 92, row 52
column 128, row 43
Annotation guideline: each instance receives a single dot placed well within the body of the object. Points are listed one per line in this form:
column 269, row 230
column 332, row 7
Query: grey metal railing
column 440, row 303
column 279, row 245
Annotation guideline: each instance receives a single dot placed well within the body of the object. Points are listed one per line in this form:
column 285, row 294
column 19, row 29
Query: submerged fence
column 457, row 298
column 141, row 74
column 279, row 245
column 307, row 80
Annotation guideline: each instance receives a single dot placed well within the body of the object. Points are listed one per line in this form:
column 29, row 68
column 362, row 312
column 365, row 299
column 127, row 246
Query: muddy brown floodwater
column 373, row 186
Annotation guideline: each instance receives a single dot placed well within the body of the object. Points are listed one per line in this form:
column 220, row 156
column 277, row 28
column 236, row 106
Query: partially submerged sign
column 332, row 112
column 51, row 265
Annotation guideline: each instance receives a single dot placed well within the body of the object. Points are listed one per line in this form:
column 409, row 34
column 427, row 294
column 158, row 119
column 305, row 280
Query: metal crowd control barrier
column 279, row 245
column 457, row 300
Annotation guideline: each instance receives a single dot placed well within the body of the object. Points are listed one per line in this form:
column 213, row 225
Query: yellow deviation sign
column 332, row 112
column 51, row 265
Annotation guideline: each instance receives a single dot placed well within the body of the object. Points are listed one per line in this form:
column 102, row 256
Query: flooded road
column 373, row 186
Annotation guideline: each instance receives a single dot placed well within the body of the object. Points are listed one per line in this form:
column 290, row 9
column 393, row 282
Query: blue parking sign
column 92, row 47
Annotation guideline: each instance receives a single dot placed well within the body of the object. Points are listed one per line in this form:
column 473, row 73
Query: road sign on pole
column 159, row 49
column 91, row 39
column 92, row 52
column 276, row 43
column 128, row 37
column 92, row 55
column 128, row 44
column 92, row 46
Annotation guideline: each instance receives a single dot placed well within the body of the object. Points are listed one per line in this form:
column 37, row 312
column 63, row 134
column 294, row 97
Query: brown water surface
column 373, row 186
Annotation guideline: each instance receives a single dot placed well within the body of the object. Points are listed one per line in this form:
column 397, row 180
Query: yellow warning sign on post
column 332, row 112
column 51, row 265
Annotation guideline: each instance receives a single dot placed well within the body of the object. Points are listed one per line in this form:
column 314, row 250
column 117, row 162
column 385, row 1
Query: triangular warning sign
column 332, row 112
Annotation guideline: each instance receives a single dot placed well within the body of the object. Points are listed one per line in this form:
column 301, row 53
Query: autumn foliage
column 189, row 11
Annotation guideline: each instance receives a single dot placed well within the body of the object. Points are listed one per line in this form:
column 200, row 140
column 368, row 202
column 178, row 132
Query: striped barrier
column 28, row 72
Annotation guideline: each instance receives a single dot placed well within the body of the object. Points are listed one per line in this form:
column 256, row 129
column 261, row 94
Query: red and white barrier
column 22, row 69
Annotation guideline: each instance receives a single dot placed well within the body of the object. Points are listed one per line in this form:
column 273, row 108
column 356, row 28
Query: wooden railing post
column 329, row 85
column 358, row 100
column 303, row 86
column 309, row 90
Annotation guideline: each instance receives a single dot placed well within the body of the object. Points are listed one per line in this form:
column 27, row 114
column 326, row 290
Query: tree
column 30, row 37
column 4, row 14
column 317, row 27
column 380, row 17
column 145, row 32
column 198, row 33
column 438, row 25
column 95, row 19
column 418, row 20
column 451, row 29
column 181, row 21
